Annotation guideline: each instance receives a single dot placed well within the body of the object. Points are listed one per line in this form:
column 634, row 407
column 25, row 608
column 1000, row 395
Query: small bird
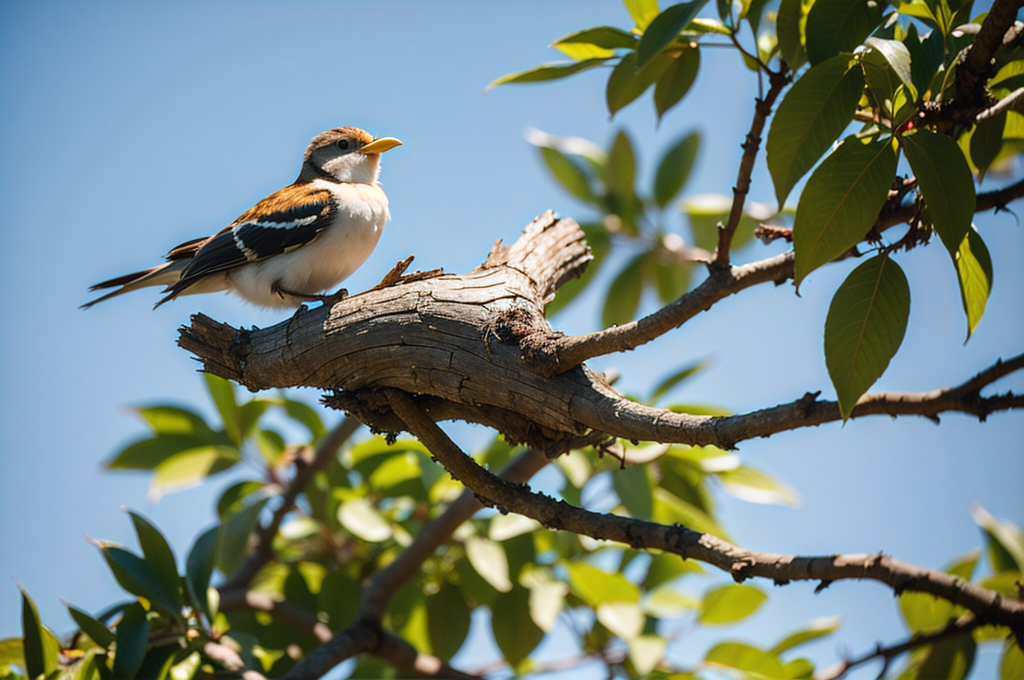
column 294, row 244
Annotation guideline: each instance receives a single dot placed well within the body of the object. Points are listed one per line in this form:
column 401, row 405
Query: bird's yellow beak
column 380, row 145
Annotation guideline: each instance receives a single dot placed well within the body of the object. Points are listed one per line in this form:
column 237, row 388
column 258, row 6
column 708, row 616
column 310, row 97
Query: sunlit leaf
column 666, row 567
column 974, row 273
column 864, row 328
column 1004, row 541
column 223, row 394
column 665, row 28
column 747, row 659
column 668, row 603
column 670, row 509
column 675, row 81
column 788, row 26
column 754, row 486
column 898, row 56
column 1012, row 664
column 731, row 603
column 841, row 202
column 132, row 636
column 504, row 527
column 815, row 630
column 547, row 597
column 812, row 115
column 624, row 619
column 646, row 652
column 514, row 630
column 835, row 26
column 360, row 517
column 188, row 468
column 595, row 586
column 946, row 184
column 674, row 168
column 924, row 611
column 599, row 42
column 573, row 176
column 490, row 561
column 546, row 72
column 164, row 419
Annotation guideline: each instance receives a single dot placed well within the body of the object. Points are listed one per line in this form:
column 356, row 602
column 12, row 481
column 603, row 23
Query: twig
column 762, row 109
column 965, row 624
column 304, row 472
column 1012, row 101
column 988, row 606
column 977, row 68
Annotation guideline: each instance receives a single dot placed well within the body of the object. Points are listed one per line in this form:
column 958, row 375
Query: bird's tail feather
column 161, row 275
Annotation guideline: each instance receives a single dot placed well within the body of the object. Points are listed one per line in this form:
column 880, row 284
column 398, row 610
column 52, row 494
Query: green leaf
column 634, row 490
column 665, row 28
column 623, row 619
column 816, row 629
column 490, row 561
column 305, row 415
column 573, row 176
column 898, row 56
column 12, row 653
column 620, row 171
column 37, row 643
column 666, row 567
column 731, row 603
column 987, row 141
column 138, row 577
column 668, row 603
column 96, row 630
column 841, row 202
column 132, row 636
column 159, row 556
column 946, row 184
column 448, row 619
column 546, row 72
column 949, row 659
column 642, row 11
column 676, row 80
column 864, row 328
column 233, row 537
column 1005, row 541
column 788, row 26
column 812, row 115
column 199, row 570
column 186, row 469
column 670, row 509
column 1011, row 666
column 835, row 26
column 249, row 415
column 747, row 659
column 754, row 486
column 514, row 630
column 547, row 596
column 223, row 394
column 360, row 517
column 627, row 82
column 679, row 376
column 599, row 42
column 164, row 419
column 671, row 274
column 623, row 297
column 674, row 168
column 595, row 586
column 646, row 652
column 924, row 612
column 974, row 273
column 149, row 453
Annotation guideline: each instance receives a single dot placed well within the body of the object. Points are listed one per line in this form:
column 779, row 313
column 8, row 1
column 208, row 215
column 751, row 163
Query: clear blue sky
column 126, row 128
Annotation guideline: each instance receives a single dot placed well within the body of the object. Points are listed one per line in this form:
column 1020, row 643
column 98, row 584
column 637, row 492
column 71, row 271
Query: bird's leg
column 337, row 296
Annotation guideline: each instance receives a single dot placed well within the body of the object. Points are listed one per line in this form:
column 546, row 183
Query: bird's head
column 345, row 154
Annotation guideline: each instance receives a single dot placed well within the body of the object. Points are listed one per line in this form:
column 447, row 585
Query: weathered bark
column 477, row 347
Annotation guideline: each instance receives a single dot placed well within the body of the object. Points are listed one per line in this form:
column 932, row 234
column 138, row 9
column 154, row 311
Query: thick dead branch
column 987, row 606
column 468, row 347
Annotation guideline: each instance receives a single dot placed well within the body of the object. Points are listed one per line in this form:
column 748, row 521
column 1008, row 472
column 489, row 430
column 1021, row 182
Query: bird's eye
column 343, row 144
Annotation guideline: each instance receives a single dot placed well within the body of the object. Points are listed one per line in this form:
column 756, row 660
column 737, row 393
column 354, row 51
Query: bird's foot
column 330, row 299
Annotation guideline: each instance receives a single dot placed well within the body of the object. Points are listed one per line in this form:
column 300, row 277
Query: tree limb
column 987, row 606
column 976, row 69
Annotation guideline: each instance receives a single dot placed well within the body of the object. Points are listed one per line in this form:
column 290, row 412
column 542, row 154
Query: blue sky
column 126, row 128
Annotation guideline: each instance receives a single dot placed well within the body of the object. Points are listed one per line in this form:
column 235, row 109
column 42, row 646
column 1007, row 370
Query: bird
column 294, row 244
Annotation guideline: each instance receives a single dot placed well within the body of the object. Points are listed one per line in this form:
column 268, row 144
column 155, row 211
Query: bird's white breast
column 361, row 213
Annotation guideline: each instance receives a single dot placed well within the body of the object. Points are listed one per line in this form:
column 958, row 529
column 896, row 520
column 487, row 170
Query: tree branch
column 304, row 472
column 961, row 626
column 762, row 109
column 975, row 70
column 988, row 606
